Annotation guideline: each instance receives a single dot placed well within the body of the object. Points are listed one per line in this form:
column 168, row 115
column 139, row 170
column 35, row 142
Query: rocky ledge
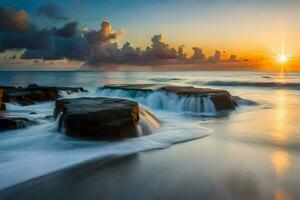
column 222, row 99
column 34, row 93
column 98, row 118
column 10, row 123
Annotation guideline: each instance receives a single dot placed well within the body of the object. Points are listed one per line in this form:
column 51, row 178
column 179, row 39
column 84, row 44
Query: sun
column 282, row 58
column 279, row 59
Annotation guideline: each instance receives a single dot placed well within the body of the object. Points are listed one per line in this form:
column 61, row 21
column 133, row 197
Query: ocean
column 267, row 119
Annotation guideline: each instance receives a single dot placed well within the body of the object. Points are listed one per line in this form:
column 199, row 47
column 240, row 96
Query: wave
column 249, row 84
column 39, row 150
column 35, row 152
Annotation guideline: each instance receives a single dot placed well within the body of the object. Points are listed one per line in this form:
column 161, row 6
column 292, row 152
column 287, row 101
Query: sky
column 250, row 30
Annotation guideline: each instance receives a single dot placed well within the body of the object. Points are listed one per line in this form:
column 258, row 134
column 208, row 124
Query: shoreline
column 129, row 176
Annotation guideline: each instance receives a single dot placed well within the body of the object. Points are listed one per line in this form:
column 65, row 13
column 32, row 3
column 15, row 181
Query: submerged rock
column 179, row 98
column 34, row 93
column 98, row 118
column 10, row 123
column 33, row 113
column 242, row 101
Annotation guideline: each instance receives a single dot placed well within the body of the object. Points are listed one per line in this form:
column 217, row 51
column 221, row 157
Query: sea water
column 40, row 149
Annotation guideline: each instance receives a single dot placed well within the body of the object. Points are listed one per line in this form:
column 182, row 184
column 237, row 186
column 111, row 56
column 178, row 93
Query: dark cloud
column 52, row 11
column 198, row 54
column 68, row 30
column 12, row 20
column 215, row 58
column 232, row 58
column 51, row 43
column 102, row 48
column 90, row 45
column 181, row 54
column 114, row 51
column 103, row 35
column 17, row 33
column 72, row 48
column 68, row 43
column 27, row 40
column 160, row 49
column 129, row 53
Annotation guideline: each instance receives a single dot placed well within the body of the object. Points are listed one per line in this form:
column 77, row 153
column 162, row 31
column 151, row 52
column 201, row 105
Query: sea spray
column 39, row 150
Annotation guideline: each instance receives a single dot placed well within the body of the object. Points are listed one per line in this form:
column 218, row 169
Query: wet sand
column 208, row 168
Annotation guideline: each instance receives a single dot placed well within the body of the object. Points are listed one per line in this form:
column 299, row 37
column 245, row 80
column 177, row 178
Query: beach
column 250, row 153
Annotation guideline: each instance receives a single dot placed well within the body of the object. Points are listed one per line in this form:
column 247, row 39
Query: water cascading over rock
column 173, row 98
column 147, row 123
column 104, row 118
column 34, row 93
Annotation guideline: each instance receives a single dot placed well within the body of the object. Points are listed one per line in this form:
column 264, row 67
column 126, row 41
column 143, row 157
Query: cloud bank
column 215, row 58
column 69, row 42
column 198, row 54
column 11, row 20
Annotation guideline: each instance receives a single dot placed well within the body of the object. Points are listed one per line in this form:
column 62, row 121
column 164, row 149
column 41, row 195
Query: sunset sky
column 256, row 30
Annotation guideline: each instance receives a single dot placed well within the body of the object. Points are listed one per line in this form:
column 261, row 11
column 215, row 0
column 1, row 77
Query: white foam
column 148, row 123
column 38, row 150
column 40, row 110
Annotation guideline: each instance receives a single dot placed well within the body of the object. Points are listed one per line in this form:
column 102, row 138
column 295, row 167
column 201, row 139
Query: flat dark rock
column 189, row 90
column 98, row 118
column 10, row 123
column 221, row 98
column 183, row 90
column 34, row 93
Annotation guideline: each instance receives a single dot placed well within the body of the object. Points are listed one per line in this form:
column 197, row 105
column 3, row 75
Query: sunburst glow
column 282, row 58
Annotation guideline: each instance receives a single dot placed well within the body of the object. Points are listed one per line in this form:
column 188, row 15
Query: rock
column 22, row 98
column 2, row 105
column 34, row 93
column 9, row 123
column 188, row 90
column 98, row 118
column 222, row 99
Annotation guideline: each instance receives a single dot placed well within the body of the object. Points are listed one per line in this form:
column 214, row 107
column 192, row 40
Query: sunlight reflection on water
column 281, row 134
column 281, row 162
column 282, row 195
column 280, row 158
